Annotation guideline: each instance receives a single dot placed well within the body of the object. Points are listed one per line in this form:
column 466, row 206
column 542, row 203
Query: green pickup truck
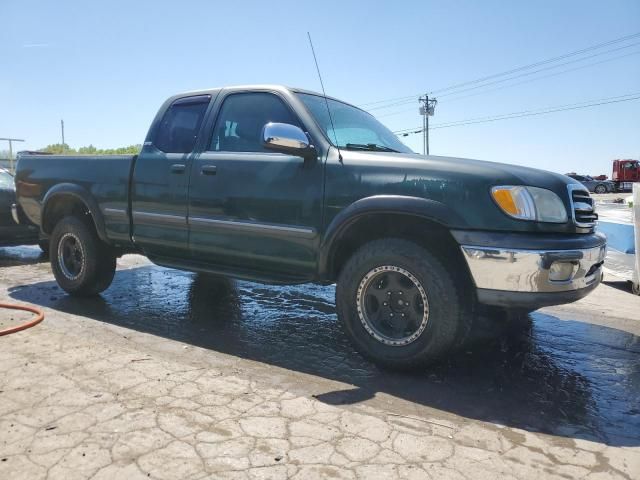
column 256, row 183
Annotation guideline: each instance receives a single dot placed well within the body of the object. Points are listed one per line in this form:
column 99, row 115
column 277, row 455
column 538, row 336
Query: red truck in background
column 625, row 173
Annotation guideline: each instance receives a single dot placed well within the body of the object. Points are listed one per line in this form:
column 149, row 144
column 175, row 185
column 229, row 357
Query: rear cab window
column 179, row 127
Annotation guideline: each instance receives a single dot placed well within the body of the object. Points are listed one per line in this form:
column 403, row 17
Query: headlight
column 530, row 203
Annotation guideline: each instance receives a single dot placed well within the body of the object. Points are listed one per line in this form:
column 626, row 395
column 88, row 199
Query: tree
column 91, row 150
column 56, row 148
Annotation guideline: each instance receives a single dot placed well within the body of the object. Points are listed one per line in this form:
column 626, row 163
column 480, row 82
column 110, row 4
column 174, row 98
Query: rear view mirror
column 286, row 138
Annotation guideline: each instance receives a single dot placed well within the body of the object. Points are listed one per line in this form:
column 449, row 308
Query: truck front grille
column 583, row 208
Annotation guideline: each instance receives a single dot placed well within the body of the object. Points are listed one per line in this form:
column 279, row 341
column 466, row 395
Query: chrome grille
column 583, row 207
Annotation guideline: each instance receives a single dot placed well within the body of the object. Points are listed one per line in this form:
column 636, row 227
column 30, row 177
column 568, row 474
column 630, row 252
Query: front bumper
column 534, row 277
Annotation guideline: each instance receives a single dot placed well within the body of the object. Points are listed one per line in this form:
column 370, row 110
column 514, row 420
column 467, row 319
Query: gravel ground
column 175, row 375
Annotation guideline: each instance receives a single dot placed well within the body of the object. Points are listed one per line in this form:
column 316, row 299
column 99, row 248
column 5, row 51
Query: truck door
column 160, row 180
column 251, row 208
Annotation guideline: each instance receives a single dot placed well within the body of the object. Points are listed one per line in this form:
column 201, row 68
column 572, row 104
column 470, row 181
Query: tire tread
column 441, row 288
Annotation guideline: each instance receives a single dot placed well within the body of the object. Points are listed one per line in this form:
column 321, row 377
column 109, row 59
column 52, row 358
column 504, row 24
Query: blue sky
column 105, row 67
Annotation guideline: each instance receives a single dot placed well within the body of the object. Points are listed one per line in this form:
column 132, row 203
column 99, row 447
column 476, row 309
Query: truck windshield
column 355, row 129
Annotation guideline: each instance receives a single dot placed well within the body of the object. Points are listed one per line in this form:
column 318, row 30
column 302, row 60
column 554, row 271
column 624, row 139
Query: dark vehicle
column 11, row 231
column 593, row 185
column 625, row 174
column 254, row 183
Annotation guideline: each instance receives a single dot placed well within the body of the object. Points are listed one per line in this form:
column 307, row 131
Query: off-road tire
column 447, row 313
column 97, row 262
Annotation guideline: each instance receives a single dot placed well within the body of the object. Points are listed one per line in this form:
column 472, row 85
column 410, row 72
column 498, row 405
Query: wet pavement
column 552, row 373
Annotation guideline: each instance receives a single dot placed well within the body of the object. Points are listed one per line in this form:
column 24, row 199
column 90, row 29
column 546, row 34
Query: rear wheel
column 82, row 264
column 399, row 305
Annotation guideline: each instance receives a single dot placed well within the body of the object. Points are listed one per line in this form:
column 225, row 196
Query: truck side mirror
column 286, row 138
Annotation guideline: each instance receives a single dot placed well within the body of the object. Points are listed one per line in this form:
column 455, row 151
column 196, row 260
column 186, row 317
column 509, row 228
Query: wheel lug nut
column 389, row 293
column 385, row 304
column 391, row 314
column 399, row 293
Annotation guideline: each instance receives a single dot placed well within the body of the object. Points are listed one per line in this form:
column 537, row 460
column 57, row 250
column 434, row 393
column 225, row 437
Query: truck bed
column 104, row 178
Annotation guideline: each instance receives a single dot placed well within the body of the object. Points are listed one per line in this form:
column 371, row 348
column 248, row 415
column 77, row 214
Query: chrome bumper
column 530, row 271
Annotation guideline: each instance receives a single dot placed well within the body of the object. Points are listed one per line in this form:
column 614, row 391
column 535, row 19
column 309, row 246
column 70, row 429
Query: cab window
column 180, row 124
column 242, row 118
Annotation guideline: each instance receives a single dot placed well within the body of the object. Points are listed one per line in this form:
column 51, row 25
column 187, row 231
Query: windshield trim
column 316, row 94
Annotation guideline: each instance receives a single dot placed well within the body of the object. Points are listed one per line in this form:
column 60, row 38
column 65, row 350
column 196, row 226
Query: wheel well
column 429, row 234
column 63, row 206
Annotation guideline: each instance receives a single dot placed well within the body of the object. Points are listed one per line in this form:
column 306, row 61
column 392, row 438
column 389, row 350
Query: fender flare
column 382, row 204
column 79, row 193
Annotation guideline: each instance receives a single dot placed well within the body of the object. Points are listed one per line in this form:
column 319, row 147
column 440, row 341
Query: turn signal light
column 515, row 201
column 530, row 203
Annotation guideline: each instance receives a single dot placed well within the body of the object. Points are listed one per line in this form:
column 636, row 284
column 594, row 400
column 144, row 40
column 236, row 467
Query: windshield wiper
column 372, row 147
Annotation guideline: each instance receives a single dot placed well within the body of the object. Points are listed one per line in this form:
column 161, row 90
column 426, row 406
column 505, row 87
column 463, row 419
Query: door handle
column 177, row 168
column 208, row 170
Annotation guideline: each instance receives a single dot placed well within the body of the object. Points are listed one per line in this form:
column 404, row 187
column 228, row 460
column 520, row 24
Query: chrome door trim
column 265, row 228
column 155, row 218
column 115, row 212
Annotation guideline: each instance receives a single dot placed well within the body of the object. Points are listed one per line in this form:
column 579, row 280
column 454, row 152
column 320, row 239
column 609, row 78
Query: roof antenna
column 326, row 101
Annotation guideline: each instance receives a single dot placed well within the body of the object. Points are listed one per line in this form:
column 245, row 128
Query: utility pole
column 427, row 109
column 11, row 140
column 62, row 128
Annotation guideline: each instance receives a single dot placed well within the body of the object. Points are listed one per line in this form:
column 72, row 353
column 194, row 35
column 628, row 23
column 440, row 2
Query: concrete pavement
column 94, row 392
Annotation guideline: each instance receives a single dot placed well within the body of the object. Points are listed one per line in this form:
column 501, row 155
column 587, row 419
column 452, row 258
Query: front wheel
column 399, row 305
column 600, row 189
column 82, row 264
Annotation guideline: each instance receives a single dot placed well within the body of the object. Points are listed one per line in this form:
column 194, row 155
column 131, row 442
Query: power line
column 411, row 99
column 517, row 83
column 559, row 108
column 526, row 113
column 543, row 76
column 540, row 70
column 535, row 110
column 542, row 62
column 502, row 80
column 507, row 72
column 507, row 117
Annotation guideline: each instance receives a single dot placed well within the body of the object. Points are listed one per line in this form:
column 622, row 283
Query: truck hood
column 478, row 171
column 462, row 184
column 492, row 172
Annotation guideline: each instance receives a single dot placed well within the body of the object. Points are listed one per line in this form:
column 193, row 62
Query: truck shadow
column 566, row 378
